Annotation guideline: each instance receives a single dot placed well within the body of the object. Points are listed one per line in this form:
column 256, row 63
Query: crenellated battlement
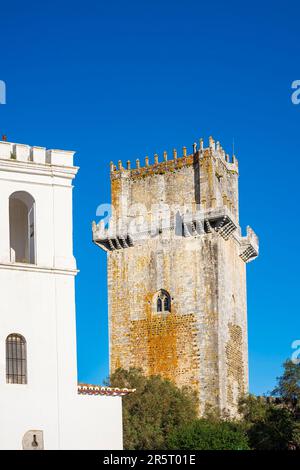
column 199, row 153
column 38, row 155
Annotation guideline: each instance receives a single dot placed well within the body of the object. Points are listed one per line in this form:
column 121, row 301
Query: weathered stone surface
column 202, row 340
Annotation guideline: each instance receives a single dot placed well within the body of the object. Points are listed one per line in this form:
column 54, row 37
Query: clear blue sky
column 128, row 78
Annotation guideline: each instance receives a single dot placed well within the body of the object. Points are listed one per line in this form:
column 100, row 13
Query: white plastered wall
column 38, row 302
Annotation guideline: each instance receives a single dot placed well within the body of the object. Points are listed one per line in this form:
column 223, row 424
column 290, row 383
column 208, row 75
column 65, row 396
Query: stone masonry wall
column 202, row 341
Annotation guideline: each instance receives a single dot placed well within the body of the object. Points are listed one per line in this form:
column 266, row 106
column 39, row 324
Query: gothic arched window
column 163, row 301
column 166, row 303
column 16, row 359
column 22, row 228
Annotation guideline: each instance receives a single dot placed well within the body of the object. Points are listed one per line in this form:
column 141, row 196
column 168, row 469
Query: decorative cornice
column 39, row 269
column 220, row 221
column 43, row 169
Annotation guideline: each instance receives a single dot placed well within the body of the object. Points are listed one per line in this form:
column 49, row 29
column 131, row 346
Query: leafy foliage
column 253, row 409
column 154, row 410
column 288, row 385
column 205, row 435
column 159, row 415
column 274, row 424
column 269, row 426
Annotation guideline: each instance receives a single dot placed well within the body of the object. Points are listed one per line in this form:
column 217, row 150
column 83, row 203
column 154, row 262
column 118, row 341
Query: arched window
column 163, row 301
column 22, row 227
column 16, row 360
column 166, row 303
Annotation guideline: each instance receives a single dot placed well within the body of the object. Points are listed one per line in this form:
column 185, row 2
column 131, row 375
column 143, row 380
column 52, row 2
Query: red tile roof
column 89, row 389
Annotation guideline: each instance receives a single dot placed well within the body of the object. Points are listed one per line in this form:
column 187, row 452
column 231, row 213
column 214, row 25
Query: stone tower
column 177, row 273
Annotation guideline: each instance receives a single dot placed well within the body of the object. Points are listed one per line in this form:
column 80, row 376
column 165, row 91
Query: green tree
column 288, row 385
column 209, row 435
column 253, row 409
column 154, row 410
column 269, row 426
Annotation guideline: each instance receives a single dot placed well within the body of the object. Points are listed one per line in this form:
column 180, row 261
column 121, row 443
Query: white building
column 40, row 406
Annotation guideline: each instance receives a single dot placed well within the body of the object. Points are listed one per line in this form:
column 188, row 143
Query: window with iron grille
column 16, row 360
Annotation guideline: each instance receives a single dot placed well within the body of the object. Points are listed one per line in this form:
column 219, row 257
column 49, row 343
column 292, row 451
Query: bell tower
column 177, row 272
column 41, row 404
column 37, row 269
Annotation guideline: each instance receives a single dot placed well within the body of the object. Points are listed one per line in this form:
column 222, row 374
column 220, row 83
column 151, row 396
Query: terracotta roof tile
column 89, row 389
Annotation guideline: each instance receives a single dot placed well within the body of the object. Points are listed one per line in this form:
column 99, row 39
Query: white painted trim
column 38, row 168
column 39, row 269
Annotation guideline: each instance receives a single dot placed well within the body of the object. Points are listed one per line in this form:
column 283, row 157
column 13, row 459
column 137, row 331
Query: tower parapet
column 39, row 155
column 212, row 183
column 176, row 162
